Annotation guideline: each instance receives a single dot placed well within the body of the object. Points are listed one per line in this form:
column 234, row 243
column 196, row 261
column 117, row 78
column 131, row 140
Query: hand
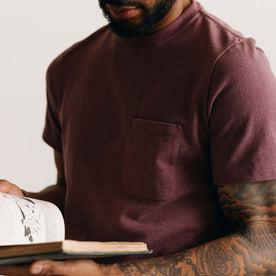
column 61, row 268
column 9, row 188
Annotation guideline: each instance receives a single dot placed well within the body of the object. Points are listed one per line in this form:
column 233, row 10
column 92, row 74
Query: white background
column 33, row 32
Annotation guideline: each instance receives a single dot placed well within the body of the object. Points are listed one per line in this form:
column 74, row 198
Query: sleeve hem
column 54, row 145
column 244, row 180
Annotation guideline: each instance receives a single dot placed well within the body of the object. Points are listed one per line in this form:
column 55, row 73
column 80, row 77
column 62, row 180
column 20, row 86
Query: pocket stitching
column 156, row 133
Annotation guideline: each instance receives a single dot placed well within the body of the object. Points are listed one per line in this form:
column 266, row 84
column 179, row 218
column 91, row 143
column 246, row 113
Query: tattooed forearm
column 210, row 259
column 250, row 250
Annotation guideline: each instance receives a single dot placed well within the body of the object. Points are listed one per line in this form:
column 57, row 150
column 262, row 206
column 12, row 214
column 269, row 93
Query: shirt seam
column 219, row 24
column 212, row 73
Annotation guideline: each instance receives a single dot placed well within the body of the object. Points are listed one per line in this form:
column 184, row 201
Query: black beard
column 151, row 16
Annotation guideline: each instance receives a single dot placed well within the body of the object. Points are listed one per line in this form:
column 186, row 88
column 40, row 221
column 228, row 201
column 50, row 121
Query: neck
column 176, row 10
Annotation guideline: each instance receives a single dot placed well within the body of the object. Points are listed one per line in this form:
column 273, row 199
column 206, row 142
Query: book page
column 26, row 220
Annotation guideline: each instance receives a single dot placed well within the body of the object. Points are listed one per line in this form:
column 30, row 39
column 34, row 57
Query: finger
column 49, row 268
column 69, row 268
column 5, row 186
column 15, row 270
column 9, row 188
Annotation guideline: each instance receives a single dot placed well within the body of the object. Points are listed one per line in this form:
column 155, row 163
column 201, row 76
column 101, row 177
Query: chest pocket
column 150, row 160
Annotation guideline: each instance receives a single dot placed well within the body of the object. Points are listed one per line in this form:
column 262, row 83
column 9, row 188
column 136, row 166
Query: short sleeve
column 242, row 116
column 52, row 129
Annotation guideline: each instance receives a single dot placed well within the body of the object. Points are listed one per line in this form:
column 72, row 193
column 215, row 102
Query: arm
column 250, row 250
column 54, row 193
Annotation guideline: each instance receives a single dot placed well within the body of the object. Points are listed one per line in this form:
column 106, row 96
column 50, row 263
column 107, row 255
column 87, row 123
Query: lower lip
column 124, row 14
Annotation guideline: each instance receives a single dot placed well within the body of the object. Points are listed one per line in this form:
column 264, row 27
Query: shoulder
column 232, row 56
column 212, row 34
column 220, row 40
column 77, row 53
column 242, row 76
column 218, row 26
column 228, row 43
column 245, row 68
column 208, row 39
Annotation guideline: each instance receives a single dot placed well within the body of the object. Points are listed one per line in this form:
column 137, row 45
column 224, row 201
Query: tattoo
column 250, row 250
column 154, row 266
column 242, row 203
column 251, row 208
column 215, row 259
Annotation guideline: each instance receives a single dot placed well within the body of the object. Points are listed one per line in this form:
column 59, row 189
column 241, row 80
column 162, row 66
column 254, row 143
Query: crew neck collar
column 163, row 34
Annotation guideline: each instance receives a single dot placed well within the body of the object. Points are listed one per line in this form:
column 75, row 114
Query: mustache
column 123, row 3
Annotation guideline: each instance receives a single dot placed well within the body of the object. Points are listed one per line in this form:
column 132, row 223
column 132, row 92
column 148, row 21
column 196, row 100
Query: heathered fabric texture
column 149, row 126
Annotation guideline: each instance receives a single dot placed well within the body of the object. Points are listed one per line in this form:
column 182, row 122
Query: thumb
column 9, row 188
column 47, row 268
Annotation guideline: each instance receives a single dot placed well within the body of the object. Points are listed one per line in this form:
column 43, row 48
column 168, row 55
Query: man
column 164, row 131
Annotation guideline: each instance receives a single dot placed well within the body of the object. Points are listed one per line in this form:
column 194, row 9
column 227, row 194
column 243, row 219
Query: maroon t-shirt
column 149, row 126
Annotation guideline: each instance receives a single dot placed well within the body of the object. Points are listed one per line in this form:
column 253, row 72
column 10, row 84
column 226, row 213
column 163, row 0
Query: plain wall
column 33, row 32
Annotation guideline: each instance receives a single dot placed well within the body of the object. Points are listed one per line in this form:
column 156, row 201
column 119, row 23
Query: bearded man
column 163, row 127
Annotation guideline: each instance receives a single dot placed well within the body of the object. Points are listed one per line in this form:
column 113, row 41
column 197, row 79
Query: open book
column 32, row 229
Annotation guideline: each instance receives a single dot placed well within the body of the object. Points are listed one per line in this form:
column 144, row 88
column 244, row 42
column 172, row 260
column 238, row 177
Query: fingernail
column 36, row 269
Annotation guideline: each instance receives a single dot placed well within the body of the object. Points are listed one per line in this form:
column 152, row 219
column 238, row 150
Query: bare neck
column 176, row 10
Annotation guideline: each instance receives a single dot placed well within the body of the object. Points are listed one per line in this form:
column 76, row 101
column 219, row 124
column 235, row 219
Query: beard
column 151, row 16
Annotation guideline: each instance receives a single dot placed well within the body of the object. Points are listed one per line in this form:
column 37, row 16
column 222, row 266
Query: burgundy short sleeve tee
column 149, row 126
